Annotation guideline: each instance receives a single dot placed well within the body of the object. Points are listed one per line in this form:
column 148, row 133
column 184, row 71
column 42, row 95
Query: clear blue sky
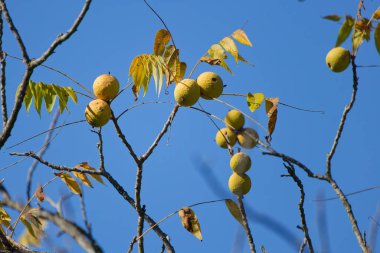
column 290, row 41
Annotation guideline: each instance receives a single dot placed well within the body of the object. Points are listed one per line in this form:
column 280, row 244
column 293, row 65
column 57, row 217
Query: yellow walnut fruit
column 220, row 137
column 186, row 92
column 240, row 163
column 106, row 87
column 248, row 138
column 239, row 184
column 234, row 119
column 211, row 85
column 97, row 113
column 338, row 59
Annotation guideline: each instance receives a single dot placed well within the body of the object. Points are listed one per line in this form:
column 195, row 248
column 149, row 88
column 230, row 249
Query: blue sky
column 290, row 41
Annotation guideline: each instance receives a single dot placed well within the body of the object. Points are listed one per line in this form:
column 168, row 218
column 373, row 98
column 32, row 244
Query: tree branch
column 4, row 111
column 298, row 181
column 123, row 139
column 347, row 109
column 55, row 166
column 85, row 240
column 62, row 37
column 159, row 136
column 15, row 32
column 246, row 225
column 147, row 218
column 140, row 211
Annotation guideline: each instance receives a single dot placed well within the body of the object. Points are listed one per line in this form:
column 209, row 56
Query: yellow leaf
column 70, row 183
column 82, row 177
column 85, row 165
column 27, row 238
column 229, row 45
column 234, row 210
column 190, row 222
column 271, row 109
column 182, row 70
column 217, row 52
column 242, row 37
column 255, row 100
column 376, row 14
column 162, row 38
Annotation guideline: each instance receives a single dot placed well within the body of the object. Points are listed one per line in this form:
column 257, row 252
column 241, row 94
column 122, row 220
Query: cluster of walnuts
column 98, row 111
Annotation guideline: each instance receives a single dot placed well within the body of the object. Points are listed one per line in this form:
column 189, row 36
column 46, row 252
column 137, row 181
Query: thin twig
column 374, row 228
column 130, row 249
column 123, row 139
column 303, row 245
column 63, row 37
column 147, row 218
column 160, row 134
column 246, row 115
column 348, row 194
column 140, row 210
column 347, row 109
column 3, row 62
column 40, row 154
column 84, row 213
column 44, row 132
column 162, row 21
column 55, row 166
column 301, row 209
column 137, row 105
column 290, row 106
column 58, row 71
column 246, row 225
column 15, row 32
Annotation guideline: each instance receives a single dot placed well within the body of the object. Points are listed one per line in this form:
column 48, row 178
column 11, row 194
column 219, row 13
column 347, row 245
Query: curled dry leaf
column 190, row 222
column 234, row 210
column 39, row 193
column 271, row 109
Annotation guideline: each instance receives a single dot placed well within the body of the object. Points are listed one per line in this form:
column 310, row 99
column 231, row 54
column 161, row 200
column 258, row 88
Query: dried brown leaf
column 39, row 193
column 190, row 222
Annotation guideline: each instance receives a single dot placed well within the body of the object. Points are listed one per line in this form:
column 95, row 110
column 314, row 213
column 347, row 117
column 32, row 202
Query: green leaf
column 241, row 37
column 162, row 38
column 332, row 17
column 63, row 97
column 28, row 96
column 255, row 100
column 49, row 98
column 377, row 37
column 229, row 45
column 38, row 95
column 70, row 91
column 345, row 30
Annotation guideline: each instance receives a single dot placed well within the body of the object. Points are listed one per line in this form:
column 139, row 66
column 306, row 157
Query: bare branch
column 147, row 218
column 123, row 139
column 246, row 225
column 12, row 246
column 3, row 63
column 298, row 181
column 55, row 166
column 347, row 109
column 85, row 240
column 160, row 135
column 62, row 37
column 15, row 32
column 361, row 240
column 84, row 213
